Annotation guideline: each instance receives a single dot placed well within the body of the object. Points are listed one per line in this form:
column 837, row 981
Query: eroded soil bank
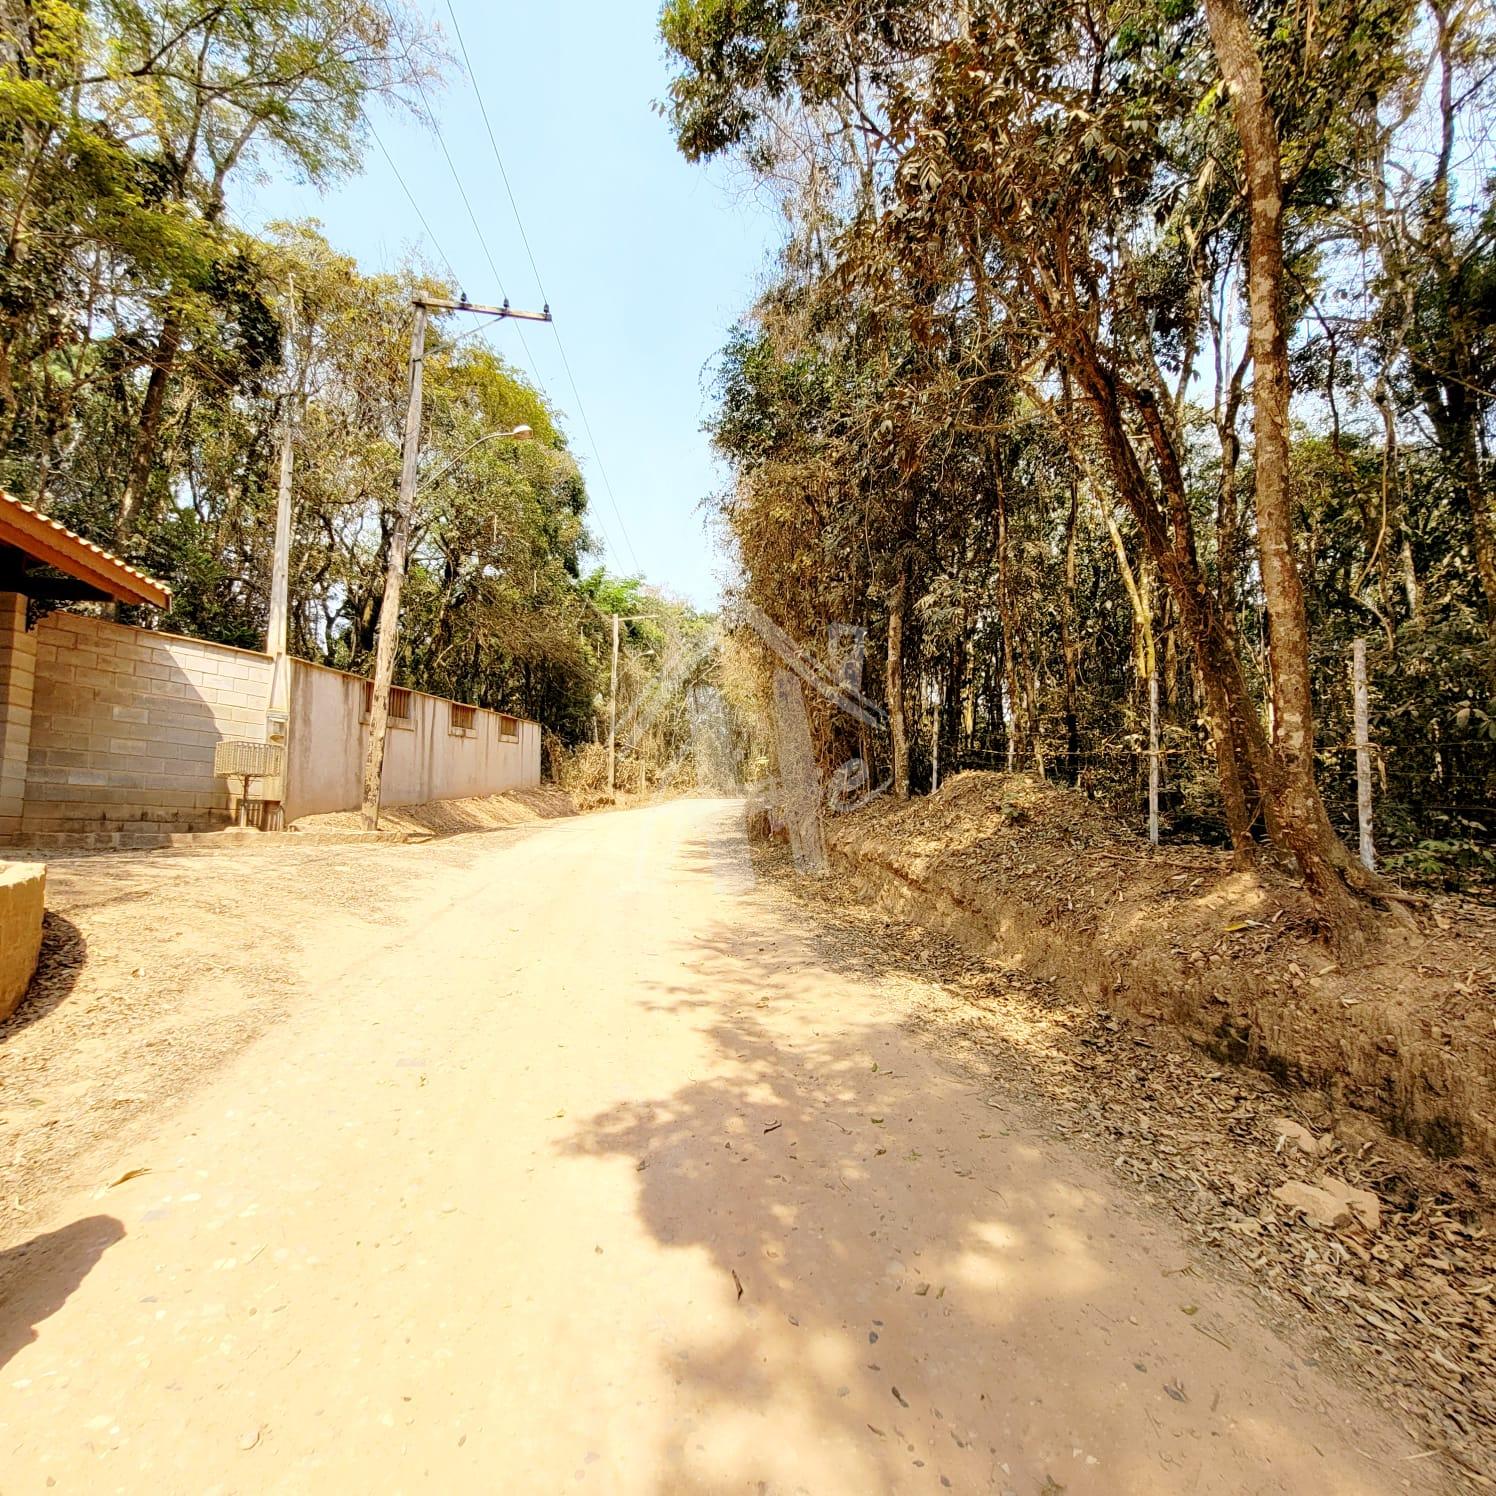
column 1036, row 877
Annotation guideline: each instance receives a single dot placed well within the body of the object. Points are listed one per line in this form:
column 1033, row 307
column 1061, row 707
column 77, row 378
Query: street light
column 519, row 434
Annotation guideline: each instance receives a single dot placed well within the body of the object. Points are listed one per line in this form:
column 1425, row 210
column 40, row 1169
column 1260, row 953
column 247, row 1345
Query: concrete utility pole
column 280, row 566
column 1363, row 753
column 277, row 626
column 388, row 632
column 1153, row 758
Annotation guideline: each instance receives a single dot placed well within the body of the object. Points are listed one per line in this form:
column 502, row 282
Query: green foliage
column 150, row 352
column 1003, row 214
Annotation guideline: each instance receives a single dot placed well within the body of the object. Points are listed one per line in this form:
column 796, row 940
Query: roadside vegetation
column 152, row 350
column 1106, row 346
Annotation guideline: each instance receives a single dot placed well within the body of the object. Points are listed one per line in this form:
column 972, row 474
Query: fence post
column 1153, row 758
column 1363, row 753
column 939, row 694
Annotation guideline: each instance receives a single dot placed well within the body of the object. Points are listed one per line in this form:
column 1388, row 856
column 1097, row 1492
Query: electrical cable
column 410, row 198
column 539, row 283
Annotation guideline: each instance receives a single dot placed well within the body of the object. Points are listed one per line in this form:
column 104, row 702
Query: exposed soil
column 156, row 969
column 1041, row 879
column 453, row 817
column 583, row 1160
column 1409, row 1307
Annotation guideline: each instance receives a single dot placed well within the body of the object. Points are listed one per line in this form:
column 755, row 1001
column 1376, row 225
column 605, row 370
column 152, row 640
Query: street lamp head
column 521, row 434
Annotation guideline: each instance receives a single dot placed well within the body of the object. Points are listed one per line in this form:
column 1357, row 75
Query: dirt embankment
column 1038, row 878
column 453, row 817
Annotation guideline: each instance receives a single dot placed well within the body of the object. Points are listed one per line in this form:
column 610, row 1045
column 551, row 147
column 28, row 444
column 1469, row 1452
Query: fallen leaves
column 1404, row 1295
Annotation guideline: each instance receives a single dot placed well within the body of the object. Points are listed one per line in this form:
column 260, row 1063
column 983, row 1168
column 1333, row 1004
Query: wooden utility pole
column 613, row 714
column 1363, row 753
column 388, row 632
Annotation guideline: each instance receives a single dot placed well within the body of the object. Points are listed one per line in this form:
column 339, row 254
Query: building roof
column 29, row 540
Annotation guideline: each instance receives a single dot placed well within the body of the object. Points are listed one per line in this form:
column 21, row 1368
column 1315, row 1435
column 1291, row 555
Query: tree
column 1067, row 202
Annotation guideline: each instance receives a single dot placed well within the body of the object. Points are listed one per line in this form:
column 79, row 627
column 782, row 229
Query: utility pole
column 388, row 632
column 277, row 626
column 939, row 713
column 1153, row 757
column 1363, row 754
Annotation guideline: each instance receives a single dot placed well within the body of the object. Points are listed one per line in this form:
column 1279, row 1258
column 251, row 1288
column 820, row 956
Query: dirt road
column 587, row 1167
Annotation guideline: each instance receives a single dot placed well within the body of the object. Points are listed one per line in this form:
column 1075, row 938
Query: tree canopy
column 1121, row 343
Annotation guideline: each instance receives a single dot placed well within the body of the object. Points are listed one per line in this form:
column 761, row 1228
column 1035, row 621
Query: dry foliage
column 1034, row 872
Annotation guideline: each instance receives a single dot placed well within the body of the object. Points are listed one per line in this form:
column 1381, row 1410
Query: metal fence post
column 1363, row 753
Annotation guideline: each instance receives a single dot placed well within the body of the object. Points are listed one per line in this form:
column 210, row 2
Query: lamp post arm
column 447, row 467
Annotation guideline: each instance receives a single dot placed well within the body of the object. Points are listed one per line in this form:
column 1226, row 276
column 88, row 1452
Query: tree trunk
column 147, row 433
column 1013, row 691
column 1170, row 543
column 894, row 682
column 1304, row 827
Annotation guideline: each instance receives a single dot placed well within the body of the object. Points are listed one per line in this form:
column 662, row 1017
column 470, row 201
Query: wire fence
column 1432, row 799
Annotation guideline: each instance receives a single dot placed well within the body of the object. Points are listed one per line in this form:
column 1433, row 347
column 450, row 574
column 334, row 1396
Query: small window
column 464, row 719
column 399, row 702
column 508, row 728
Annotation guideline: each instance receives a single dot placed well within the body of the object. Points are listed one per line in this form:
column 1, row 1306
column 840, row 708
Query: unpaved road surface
column 575, row 1161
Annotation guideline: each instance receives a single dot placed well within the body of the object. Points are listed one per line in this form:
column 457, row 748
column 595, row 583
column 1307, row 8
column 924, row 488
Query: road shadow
column 63, row 955
column 39, row 1276
column 915, row 1289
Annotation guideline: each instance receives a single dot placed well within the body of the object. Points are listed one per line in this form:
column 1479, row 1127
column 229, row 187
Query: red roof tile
column 45, row 540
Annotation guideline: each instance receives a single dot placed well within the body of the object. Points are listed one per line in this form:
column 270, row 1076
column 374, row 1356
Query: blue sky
column 646, row 259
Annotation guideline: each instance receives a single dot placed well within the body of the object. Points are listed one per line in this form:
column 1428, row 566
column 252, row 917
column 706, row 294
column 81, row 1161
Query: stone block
column 23, row 897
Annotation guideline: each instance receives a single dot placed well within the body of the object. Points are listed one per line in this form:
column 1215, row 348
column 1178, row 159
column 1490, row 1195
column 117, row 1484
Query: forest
column 154, row 353
column 1128, row 344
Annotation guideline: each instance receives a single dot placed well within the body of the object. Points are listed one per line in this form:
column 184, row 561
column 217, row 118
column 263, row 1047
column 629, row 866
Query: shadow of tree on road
column 39, row 1276
column 916, row 1289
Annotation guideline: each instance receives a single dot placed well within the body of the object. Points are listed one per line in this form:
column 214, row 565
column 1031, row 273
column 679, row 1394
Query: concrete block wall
column 17, row 699
column 23, row 899
column 426, row 757
column 123, row 728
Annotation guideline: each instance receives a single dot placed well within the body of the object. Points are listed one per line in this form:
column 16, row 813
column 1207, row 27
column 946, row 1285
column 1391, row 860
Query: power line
column 472, row 216
column 410, row 198
column 539, row 283
column 493, row 141
column 493, row 266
